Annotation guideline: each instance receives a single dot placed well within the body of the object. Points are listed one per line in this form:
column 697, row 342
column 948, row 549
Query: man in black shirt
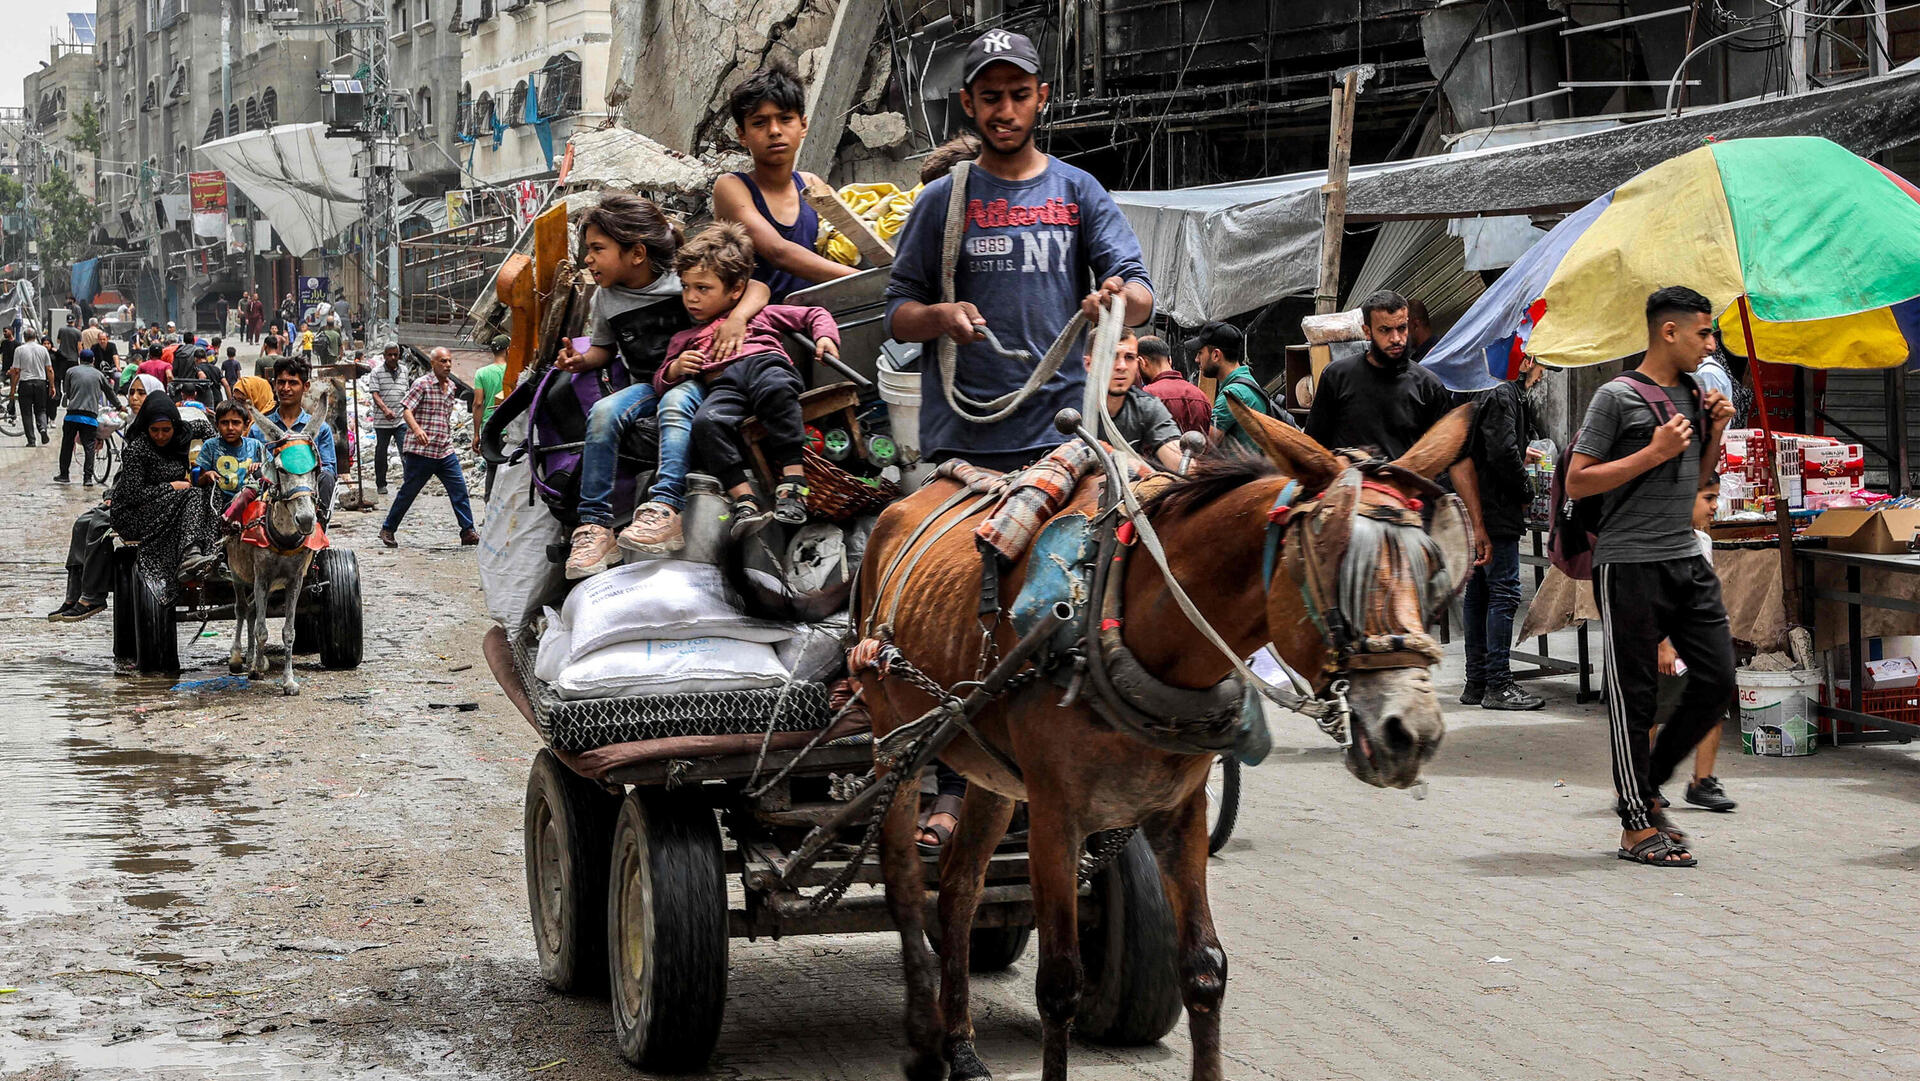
column 1502, row 427
column 1384, row 402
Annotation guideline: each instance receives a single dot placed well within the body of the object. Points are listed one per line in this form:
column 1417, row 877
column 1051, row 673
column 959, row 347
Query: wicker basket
column 837, row 495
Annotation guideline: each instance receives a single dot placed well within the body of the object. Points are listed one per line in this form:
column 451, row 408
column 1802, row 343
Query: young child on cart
column 627, row 246
column 224, row 462
column 715, row 268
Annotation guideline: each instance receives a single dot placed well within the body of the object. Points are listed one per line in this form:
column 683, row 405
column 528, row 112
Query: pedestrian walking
column 1704, row 790
column 1639, row 449
column 33, row 385
column 488, row 384
column 83, row 393
column 1158, row 377
column 1497, row 447
column 390, row 384
column 427, row 450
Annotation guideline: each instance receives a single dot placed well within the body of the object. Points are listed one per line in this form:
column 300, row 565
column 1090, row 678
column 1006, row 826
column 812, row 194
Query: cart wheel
column 1223, row 801
column 995, row 949
column 156, row 637
column 567, row 836
column 338, row 611
column 989, row 949
column 126, row 638
column 667, row 932
column 1131, row 996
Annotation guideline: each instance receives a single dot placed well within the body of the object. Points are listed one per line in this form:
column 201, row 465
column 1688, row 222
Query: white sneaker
column 593, row 551
column 655, row 530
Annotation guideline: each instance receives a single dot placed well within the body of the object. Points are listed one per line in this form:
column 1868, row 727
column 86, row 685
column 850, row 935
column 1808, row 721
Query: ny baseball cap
column 1222, row 336
column 1001, row 47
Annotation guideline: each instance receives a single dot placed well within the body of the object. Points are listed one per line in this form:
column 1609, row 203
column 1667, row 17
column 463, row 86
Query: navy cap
column 1001, row 47
column 1224, row 336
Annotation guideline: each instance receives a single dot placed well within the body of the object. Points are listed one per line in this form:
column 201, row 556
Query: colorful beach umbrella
column 1822, row 245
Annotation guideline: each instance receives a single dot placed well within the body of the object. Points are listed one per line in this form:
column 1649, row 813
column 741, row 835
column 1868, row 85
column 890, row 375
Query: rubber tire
column 1130, row 995
column 1227, row 811
column 156, row 633
column 989, row 949
column 342, row 639
column 567, row 836
column 666, row 932
column 126, row 636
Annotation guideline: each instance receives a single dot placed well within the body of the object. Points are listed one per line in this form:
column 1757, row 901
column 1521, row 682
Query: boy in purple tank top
column 769, row 111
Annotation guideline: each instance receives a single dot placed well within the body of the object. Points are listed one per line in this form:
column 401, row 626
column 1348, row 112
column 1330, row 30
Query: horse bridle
column 1352, row 648
column 304, row 486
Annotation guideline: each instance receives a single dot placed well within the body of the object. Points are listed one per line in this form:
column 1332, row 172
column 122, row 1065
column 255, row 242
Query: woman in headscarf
column 90, row 551
column 154, row 502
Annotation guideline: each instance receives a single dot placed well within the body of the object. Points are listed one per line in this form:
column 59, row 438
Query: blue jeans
column 415, row 471
column 1493, row 596
column 610, row 419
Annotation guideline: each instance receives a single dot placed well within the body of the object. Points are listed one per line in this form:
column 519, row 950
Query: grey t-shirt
column 1145, row 421
column 1649, row 518
column 33, row 361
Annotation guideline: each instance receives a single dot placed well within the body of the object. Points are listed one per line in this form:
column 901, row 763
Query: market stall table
column 1897, row 570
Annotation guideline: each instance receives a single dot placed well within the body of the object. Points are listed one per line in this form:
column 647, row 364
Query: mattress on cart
column 585, row 724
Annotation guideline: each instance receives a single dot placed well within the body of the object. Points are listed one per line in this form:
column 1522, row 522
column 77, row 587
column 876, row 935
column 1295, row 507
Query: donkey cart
column 146, row 632
column 630, row 848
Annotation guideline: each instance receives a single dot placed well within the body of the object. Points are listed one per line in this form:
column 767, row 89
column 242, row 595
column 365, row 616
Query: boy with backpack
column 1637, row 450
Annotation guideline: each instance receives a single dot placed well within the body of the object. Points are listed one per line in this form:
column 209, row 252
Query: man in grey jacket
column 83, row 392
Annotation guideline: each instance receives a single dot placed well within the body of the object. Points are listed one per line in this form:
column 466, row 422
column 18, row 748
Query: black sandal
column 947, row 805
column 1658, row 851
column 790, row 503
column 749, row 517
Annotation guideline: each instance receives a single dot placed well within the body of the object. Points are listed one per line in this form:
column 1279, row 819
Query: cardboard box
column 1892, row 674
column 1880, row 530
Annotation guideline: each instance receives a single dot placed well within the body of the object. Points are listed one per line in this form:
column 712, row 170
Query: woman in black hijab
column 155, row 504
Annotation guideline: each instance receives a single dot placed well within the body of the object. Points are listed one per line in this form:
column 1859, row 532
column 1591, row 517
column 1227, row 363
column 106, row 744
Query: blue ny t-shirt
column 228, row 461
column 1031, row 251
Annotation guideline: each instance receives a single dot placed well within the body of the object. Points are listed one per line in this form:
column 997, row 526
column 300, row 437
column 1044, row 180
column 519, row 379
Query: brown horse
column 1078, row 774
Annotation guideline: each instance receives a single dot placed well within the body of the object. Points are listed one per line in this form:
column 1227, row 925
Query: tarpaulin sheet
column 300, row 180
column 1219, row 251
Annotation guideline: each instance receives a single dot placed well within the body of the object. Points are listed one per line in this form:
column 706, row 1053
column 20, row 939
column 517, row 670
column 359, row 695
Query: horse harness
column 301, row 485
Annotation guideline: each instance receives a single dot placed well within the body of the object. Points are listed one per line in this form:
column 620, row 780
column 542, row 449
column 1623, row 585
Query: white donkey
column 275, row 551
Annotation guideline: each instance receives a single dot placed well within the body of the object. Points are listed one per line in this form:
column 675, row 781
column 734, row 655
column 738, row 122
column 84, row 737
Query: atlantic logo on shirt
column 998, row 214
column 1034, row 251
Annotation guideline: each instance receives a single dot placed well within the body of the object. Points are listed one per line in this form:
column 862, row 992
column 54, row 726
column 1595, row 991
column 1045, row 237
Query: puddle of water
column 79, row 808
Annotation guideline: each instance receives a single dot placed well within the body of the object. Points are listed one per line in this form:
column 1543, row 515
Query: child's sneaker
column 790, row 503
column 748, row 517
column 655, row 529
column 593, row 551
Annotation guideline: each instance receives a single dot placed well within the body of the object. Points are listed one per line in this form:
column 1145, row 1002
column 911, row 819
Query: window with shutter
column 270, row 105
column 214, row 127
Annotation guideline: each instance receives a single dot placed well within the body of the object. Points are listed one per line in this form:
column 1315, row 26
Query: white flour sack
column 671, row 667
column 657, row 600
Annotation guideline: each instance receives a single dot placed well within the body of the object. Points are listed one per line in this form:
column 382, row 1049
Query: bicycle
column 10, row 418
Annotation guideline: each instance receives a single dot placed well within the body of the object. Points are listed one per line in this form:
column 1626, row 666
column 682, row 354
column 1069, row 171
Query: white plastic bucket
column 1778, row 715
column 901, row 392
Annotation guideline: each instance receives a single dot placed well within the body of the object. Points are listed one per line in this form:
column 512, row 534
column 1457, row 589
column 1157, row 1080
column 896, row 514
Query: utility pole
column 1798, row 81
column 373, row 125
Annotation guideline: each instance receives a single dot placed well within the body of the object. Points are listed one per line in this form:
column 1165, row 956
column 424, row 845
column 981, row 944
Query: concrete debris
column 619, row 159
column 880, row 131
